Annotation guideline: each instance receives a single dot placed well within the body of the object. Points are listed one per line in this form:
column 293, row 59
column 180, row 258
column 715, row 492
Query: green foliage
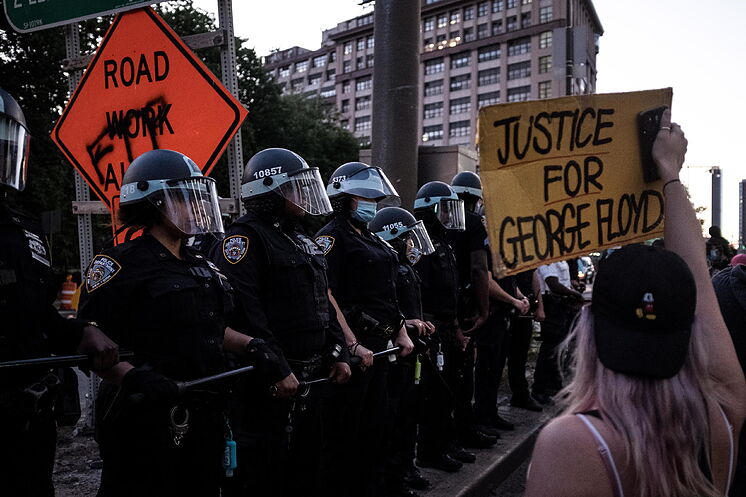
column 31, row 63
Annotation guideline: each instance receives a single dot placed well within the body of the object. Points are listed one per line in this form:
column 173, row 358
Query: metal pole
column 395, row 93
column 234, row 152
column 716, row 195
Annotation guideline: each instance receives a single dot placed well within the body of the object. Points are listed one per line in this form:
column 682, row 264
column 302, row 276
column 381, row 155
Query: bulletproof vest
column 439, row 274
column 408, row 291
column 294, row 290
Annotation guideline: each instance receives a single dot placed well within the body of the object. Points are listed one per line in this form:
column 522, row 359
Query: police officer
column 169, row 305
column 282, row 296
column 31, row 327
column 362, row 276
column 411, row 241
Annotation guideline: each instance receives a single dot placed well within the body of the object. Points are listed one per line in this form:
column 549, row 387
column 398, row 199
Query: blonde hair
column 663, row 423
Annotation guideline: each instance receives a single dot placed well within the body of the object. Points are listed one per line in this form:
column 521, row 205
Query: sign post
column 563, row 177
column 144, row 89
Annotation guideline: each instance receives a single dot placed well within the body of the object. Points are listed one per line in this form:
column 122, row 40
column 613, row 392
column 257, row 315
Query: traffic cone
column 68, row 291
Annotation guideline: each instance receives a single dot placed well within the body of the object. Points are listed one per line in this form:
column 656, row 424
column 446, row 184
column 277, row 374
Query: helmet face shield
column 14, row 149
column 418, row 238
column 306, row 190
column 370, row 183
column 450, row 213
column 191, row 205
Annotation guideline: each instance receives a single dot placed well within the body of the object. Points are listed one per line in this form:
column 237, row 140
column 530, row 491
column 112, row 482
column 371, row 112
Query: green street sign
column 33, row 15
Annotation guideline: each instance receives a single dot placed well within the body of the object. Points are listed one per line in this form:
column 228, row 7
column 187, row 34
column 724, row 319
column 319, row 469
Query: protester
column 657, row 393
column 718, row 249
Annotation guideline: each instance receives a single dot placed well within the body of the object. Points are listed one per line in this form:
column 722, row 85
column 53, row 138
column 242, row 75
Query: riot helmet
column 467, row 183
column 443, row 202
column 395, row 223
column 362, row 180
column 286, row 174
column 175, row 185
column 14, row 142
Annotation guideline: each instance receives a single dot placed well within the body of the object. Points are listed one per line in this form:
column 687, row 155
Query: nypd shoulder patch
column 102, row 270
column 326, row 243
column 235, row 248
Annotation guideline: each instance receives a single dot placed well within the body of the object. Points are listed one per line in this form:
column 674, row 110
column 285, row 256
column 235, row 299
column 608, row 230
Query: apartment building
column 474, row 53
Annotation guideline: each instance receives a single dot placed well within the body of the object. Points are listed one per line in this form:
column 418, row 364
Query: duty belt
column 305, row 368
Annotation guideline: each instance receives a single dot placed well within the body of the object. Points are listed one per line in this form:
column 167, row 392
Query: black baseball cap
column 643, row 306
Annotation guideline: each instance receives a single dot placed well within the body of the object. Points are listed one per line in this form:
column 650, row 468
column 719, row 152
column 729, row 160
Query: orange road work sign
column 144, row 90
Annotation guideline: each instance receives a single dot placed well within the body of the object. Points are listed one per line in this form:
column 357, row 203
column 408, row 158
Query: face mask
column 365, row 211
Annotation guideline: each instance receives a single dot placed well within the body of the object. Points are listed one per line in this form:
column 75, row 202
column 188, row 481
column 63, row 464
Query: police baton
column 58, row 361
column 187, row 385
column 356, row 361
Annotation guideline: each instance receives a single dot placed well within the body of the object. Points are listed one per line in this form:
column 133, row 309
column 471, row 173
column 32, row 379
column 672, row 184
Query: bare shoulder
column 565, row 462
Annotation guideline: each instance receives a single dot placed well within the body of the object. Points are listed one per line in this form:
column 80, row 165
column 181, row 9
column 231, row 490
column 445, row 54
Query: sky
column 692, row 46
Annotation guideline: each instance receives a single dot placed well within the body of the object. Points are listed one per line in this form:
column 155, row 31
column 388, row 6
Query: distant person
column 738, row 259
column 658, row 396
column 719, row 251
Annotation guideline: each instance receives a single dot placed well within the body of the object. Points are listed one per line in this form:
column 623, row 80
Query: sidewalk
column 495, row 464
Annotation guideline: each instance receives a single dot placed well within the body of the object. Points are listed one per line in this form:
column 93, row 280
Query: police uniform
column 172, row 313
column 279, row 275
column 31, row 328
column 362, row 276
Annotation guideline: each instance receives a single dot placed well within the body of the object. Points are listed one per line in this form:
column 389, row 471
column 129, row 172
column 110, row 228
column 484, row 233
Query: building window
column 468, row 13
column 488, row 76
column 433, row 110
column 314, row 79
column 434, row 66
column 469, row 35
column 525, row 2
column 346, row 66
column 369, row 60
column 497, row 28
column 429, row 24
column 362, row 103
column 318, row 61
column 330, row 73
column 345, row 106
column 459, row 128
column 511, row 4
column 360, row 62
column 455, row 16
column 545, row 39
column 511, row 23
column 364, row 141
column 285, row 71
column 490, row 52
column 333, row 57
column 296, row 84
column 442, row 21
column 347, row 48
column 462, row 82
column 370, row 42
column 545, row 89
column 432, row 133
column 519, row 94
column 526, row 19
column 483, row 8
column 362, row 123
column 360, row 45
column 433, row 88
column 454, row 36
column 364, row 21
column 519, row 46
column 498, row 5
column 460, row 105
column 440, row 38
column 364, row 83
column 488, row 98
column 328, row 92
column 545, row 14
column 301, row 66
column 519, row 70
column 344, row 124
column 545, row 64
column 346, row 86
column 460, row 60
column 482, row 31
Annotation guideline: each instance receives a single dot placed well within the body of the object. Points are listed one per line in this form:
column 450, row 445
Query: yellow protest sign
column 563, row 177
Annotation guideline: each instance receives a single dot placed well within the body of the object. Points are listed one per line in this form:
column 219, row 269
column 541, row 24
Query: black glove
column 141, row 384
column 269, row 363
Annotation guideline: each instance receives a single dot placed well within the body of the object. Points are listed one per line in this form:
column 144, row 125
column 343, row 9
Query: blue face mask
column 365, row 211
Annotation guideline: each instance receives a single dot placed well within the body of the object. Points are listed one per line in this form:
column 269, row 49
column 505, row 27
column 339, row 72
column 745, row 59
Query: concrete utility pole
column 395, row 94
column 717, row 189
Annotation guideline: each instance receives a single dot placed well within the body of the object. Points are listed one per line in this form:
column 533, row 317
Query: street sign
column 144, row 89
column 33, row 15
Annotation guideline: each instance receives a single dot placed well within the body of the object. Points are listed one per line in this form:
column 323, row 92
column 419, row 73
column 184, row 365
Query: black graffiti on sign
column 122, row 127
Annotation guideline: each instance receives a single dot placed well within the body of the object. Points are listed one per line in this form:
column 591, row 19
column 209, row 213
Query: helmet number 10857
column 267, row 172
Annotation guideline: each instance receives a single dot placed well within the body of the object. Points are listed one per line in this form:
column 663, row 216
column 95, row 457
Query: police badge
column 101, row 271
column 235, row 248
column 326, row 243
